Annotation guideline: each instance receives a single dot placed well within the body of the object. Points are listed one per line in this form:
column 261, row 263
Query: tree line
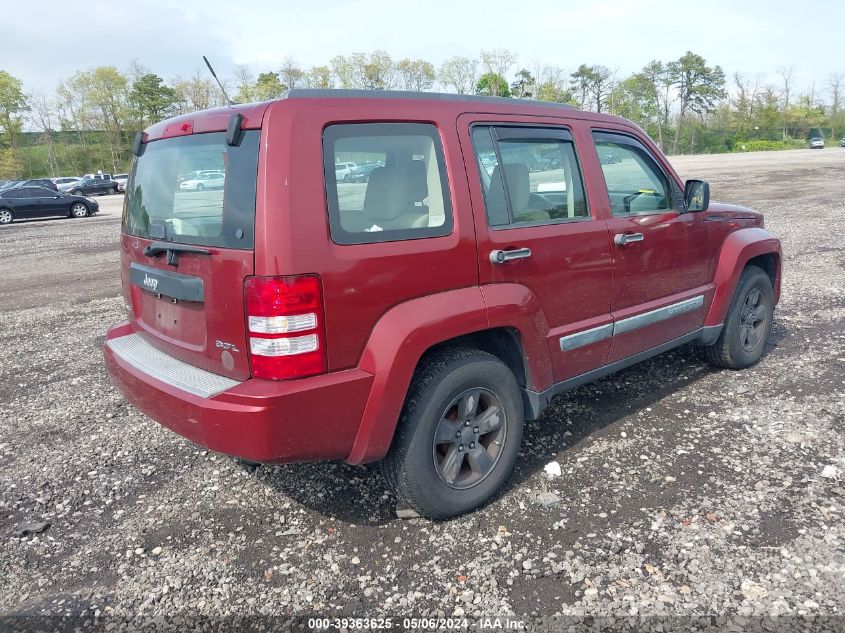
column 686, row 105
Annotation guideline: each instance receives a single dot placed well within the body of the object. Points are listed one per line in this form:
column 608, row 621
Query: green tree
column 492, row 84
column 417, row 74
column 373, row 71
column 594, row 84
column 343, row 71
column 268, row 86
column 320, row 77
column 13, row 104
column 835, row 85
column 459, row 75
column 498, row 61
column 152, row 99
column 638, row 98
column 245, row 80
column 525, row 85
column 552, row 85
column 291, row 75
column 698, row 88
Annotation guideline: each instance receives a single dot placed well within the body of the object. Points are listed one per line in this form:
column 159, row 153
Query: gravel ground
column 682, row 490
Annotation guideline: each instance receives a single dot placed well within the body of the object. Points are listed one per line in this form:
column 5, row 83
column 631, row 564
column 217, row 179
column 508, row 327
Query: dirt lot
column 684, row 490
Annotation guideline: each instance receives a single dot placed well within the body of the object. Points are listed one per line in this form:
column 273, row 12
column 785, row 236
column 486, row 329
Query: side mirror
column 697, row 195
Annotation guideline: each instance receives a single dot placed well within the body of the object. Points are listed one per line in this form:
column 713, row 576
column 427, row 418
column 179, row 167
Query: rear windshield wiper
column 173, row 251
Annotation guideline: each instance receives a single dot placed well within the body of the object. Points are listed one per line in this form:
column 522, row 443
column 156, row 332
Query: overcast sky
column 44, row 41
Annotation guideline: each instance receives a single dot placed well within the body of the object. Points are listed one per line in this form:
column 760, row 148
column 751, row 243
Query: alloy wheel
column 5, row 216
column 753, row 320
column 79, row 210
column 469, row 438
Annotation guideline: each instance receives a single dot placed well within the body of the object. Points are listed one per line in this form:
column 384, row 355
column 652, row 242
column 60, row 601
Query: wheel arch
column 411, row 331
column 751, row 246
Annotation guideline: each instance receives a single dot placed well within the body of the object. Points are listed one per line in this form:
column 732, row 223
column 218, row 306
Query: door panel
column 660, row 252
column 529, row 200
column 47, row 204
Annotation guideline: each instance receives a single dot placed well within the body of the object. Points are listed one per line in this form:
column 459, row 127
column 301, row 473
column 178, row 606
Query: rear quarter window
column 385, row 182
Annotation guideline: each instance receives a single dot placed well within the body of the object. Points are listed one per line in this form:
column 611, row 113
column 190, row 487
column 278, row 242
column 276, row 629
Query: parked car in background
column 816, row 143
column 92, row 186
column 26, row 203
column 842, row 142
column 362, row 172
column 47, row 183
column 345, row 171
column 121, row 179
column 98, row 176
column 204, row 180
column 65, row 180
column 421, row 319
column 68, row 186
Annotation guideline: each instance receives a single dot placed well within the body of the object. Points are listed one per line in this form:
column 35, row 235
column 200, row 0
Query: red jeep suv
column 499, row 253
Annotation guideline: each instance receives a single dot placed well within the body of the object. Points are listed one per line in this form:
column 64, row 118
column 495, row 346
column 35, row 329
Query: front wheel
column 748, row 323
column 458, row 435
column 78, row 210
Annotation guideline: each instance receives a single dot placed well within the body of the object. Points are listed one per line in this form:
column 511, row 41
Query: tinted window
column 635, row 182
column 158, row 206
column 41, row 192
column 403, row 194
column 529, row 179
column 23, row 192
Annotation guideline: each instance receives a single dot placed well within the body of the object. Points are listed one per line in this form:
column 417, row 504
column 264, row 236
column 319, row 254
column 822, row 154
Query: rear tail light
column 285, row 323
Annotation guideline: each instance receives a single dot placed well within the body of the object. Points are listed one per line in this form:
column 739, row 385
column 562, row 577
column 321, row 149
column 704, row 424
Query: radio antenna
column 219, row 83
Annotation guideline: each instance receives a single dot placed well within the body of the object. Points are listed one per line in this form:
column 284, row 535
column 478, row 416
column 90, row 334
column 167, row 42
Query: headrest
column 388, row 193
column 417, row 180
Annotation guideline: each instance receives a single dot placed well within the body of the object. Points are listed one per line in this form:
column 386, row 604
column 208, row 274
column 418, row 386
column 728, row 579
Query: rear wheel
column 76, row 192
column 6, row 216
column 200, row 187
column 748, row 323
column 458, row 436
column 78, row 210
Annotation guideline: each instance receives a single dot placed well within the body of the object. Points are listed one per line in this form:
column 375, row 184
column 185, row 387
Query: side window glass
column 635, row 183
column 529, row 180
column 385, row 182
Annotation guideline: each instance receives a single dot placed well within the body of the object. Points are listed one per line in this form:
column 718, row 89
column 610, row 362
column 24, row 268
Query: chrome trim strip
column 140, row 354
column 586, row 337
column 655, row 316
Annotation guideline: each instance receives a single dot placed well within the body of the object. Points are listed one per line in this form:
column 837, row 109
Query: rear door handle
column 622, row 239
column 500, row 257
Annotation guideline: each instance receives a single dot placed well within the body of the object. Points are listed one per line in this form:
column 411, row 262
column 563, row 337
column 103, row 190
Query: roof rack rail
column 343, row 93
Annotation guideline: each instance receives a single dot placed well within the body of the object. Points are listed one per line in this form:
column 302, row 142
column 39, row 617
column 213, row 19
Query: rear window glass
column 385, row 182
column 195, row 190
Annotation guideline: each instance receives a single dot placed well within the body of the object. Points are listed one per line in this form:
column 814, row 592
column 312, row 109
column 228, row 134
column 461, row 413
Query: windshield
column 195, row 190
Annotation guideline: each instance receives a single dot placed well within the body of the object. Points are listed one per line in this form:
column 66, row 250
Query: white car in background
column 121, row 179
column 66, row 184
column 204, row 180
column 816, row 143
column 345, row 171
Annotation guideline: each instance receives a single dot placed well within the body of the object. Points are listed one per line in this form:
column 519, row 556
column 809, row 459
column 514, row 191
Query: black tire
column 76, row 192
column 6, row 216
column 347, row 178
column 440, row 380
column 200, row 187
column 79, row 210
column 732, row 350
